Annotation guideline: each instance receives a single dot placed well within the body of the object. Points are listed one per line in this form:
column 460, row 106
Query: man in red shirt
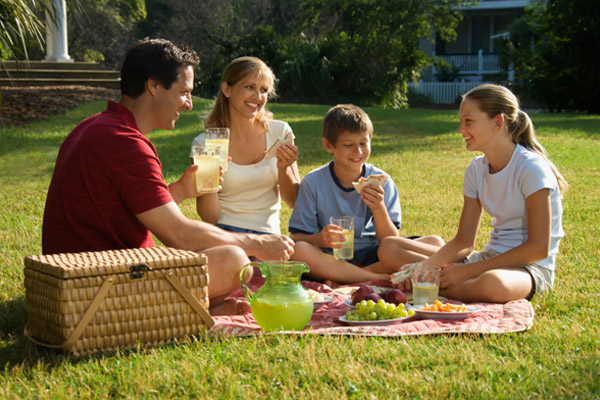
column 108, row 191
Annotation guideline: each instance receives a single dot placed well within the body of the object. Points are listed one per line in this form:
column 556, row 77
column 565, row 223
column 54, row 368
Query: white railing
column 475, row 64
column 443, row 92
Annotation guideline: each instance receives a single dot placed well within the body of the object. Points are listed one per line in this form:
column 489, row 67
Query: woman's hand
column 287, row 154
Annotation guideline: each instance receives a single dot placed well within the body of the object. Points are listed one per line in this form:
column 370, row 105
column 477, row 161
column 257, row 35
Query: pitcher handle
column 247, row 292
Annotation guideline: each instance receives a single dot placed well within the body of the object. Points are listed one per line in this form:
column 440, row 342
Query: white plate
column 367, row 323
column 445, row 314
column 319, row 304
column 440, row 298
column 349, row 302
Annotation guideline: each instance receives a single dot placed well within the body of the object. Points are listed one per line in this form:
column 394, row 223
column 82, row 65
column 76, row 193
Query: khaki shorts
column 543, row 278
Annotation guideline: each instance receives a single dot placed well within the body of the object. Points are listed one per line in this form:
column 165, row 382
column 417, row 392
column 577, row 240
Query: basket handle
column 191, row 300
column 83, row 323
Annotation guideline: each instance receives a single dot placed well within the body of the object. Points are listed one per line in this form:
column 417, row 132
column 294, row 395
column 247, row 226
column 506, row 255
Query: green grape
column 371, row 311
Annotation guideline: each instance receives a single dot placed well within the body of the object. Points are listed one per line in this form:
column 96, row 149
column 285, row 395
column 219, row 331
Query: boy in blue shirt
column 328, row 191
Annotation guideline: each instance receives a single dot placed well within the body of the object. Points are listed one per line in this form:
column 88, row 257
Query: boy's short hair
column 345, row 118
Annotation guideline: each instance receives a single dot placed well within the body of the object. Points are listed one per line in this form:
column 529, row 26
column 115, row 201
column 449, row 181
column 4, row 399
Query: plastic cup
column 346, row 252
column 219, row 137
column 426, row 283
column 207, row 159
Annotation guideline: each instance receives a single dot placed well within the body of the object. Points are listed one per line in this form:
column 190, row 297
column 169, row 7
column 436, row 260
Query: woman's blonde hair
column 494, row 100
column 237, row 70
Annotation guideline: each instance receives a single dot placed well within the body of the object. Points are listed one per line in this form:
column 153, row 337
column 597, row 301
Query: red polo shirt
column 106, row 172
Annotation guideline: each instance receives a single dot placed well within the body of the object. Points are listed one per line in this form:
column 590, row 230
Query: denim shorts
column 362, row 257
column 543, row 278
column 230, row 228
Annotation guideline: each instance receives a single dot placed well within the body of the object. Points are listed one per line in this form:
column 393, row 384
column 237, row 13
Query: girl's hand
column 287, row 154
column 332, row 236
column 455, row 274
column 373, row 197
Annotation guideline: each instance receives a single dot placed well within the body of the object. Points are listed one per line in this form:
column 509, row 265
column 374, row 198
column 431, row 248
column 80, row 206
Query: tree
column 18, row 24
column 102, row 30
column 556, row 50
column 321, row 50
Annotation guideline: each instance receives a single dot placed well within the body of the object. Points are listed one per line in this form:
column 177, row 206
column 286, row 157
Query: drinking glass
column 346, row 252
column 219, row 137
column 425, row 283
column 207, row 159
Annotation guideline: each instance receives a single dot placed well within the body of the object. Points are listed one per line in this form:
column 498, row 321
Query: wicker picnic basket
column 84, row 302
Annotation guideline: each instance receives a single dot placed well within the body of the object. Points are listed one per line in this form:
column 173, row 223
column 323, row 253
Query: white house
column 474, row 52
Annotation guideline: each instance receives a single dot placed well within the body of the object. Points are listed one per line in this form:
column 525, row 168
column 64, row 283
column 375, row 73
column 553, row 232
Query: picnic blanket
column 514, row 316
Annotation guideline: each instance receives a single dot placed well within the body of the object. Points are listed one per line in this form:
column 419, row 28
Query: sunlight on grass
column 420, row 149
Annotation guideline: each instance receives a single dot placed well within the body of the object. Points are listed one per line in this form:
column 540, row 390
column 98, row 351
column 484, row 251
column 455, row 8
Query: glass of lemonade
column 425, row 283
column 346, row 252
column 207, row 158
column 218, row 137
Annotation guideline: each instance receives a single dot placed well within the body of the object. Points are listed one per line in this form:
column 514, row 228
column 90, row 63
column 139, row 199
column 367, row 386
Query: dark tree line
column 327, row 51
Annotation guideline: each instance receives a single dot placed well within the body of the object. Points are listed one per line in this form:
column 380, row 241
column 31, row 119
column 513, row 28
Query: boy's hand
column 332, row 236
column 373, row 197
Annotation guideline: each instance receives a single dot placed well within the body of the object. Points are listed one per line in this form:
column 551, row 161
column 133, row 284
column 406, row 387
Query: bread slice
column 375, row 180
column 272, row 151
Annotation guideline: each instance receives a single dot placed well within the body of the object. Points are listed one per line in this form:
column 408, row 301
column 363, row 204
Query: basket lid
column 109, row 262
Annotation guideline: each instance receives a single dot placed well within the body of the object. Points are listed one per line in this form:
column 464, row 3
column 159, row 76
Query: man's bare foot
column 231, row 307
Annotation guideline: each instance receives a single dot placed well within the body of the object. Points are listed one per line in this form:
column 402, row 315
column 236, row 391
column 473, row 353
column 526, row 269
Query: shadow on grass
column 17, row 350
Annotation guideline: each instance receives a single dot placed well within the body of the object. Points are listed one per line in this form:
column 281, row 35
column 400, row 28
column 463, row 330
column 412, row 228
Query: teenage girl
column 516, row 183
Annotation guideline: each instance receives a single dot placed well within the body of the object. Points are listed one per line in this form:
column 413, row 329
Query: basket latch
column 137, row 270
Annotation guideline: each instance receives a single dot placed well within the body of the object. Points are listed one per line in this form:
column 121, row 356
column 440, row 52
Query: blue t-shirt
column 322, row 196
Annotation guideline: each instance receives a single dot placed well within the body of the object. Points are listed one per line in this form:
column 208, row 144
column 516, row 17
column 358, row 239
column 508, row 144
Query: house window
column 474, row 31
column 481, row 30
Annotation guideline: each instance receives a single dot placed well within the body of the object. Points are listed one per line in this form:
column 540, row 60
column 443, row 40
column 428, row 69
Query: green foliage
column 326, row 51
column 446, row 72
column 104, row 29
column 18, row 24
column 90, row 55
column 555, row 49
column 415, row 99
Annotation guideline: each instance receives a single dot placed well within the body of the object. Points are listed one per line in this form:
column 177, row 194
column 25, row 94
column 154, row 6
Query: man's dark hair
column 153, row 58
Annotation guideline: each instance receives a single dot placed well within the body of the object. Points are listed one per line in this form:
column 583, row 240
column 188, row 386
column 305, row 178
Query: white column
column 56, row 33
column 480, row 63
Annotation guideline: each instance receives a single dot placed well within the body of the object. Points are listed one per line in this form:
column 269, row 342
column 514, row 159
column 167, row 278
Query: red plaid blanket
column 514, row 316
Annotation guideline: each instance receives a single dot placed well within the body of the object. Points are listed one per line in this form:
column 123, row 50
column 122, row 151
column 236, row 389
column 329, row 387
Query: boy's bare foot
column 231, row 307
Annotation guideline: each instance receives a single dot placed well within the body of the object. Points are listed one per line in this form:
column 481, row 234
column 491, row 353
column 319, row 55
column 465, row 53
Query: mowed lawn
column 559, row 357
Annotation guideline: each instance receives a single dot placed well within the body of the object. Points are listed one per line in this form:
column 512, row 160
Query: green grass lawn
column 558, row 358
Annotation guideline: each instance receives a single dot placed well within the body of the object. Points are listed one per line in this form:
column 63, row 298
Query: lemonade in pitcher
column 281, row 303
column 274, row 314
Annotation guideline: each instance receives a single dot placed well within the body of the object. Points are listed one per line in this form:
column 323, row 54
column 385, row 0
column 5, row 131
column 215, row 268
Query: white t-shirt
column 250, row 195
column 503, row 194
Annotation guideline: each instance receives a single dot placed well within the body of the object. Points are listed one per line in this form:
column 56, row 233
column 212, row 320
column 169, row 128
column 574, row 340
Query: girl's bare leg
column 394, row 252
column 494, row 286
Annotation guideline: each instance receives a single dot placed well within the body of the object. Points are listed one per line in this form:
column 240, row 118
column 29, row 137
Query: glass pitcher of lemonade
column 282, row 303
